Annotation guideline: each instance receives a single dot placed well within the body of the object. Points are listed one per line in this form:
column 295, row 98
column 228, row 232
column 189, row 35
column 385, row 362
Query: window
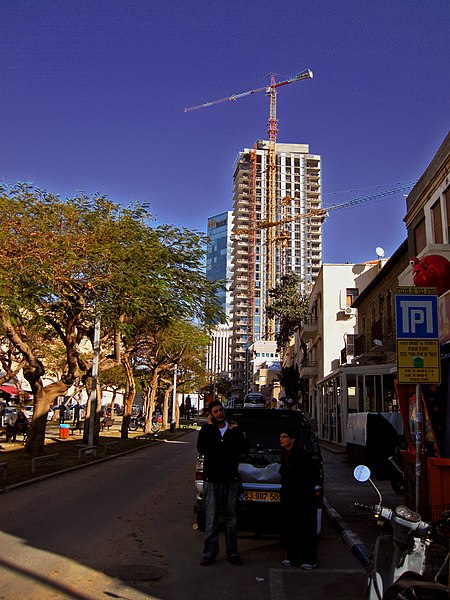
column 420, row 239
column 437, row 222
column 350, row 295
column 447, row 210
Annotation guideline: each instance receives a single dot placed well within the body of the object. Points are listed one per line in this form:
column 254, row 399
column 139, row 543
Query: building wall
column 428, row 201
column 218, row 357
column 299, row 179
column 218, row 256
column 328, row 323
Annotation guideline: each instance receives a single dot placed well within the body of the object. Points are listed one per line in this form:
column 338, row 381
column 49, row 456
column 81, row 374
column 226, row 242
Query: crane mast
column 271, row 196
column 271, row 199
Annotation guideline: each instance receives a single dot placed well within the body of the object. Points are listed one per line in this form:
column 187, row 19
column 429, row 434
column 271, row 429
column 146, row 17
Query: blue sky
column 93, row 92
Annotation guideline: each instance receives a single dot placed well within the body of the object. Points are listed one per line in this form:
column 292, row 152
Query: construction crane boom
column 307, row 74
column 323, row 212
column 271, row 198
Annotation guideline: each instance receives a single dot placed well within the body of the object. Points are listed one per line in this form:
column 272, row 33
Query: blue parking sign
column 416, row 316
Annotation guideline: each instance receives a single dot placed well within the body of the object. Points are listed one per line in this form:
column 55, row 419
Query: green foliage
column 289, row 306
column 64, row 260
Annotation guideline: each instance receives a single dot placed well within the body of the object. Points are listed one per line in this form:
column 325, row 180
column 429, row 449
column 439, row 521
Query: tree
column 157, row 352
column 63, row 261
column 289, row 306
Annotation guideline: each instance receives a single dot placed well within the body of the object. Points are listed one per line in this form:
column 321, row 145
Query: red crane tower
column 271, row 199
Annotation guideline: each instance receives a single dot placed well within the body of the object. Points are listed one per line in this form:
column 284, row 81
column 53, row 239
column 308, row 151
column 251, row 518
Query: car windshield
column 263, row 428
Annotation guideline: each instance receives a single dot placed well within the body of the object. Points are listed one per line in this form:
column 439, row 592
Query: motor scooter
column 136, row 422
column 398, row 560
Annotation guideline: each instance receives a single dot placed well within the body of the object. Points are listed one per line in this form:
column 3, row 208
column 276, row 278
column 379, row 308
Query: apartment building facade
column 297, row 239
column 218, row 268
column 330, row 325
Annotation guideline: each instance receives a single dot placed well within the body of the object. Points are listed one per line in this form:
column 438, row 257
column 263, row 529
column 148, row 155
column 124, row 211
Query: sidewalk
column 358, row 528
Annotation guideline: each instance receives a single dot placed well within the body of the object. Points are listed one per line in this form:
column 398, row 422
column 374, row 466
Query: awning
column 9, row 389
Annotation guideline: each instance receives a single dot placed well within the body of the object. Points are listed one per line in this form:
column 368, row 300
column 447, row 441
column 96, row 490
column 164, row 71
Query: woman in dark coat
column 299, row 475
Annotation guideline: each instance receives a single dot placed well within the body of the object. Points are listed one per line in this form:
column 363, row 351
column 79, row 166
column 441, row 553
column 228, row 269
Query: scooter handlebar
column 367, row 507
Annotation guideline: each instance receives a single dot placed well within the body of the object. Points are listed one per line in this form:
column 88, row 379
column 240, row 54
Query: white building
column 299, row 239
column 330, row 322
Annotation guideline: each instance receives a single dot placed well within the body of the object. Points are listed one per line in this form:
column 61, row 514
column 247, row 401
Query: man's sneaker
column 308, row 566
column 207, row 560
column 235, row 560
column 286, row 563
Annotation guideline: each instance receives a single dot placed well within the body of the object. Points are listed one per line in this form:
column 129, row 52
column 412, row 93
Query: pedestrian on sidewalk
column 299, row 475
column 221, row 444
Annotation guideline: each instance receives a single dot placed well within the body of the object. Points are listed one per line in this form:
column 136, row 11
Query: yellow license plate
column 262, row 496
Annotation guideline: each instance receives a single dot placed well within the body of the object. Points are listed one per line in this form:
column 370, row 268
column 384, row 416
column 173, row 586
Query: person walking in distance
column 221, row 444
column 188, row 407
column 299, row 474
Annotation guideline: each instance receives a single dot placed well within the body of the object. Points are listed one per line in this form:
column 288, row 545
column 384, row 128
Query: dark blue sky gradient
column 92, row 95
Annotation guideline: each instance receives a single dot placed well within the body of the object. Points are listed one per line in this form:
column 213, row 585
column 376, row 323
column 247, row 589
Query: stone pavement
column 346, row 539
column 358, row 528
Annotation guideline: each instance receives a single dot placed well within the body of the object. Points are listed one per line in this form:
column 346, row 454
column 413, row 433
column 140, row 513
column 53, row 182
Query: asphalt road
column 125, row 529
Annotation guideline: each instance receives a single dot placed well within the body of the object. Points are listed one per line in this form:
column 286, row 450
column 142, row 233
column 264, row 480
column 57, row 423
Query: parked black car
column 259, row 504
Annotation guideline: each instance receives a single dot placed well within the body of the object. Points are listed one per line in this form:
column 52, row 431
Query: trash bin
column 64, row 431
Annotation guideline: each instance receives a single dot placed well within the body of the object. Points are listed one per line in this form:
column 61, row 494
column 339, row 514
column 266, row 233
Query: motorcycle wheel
column 155, row 427
column 132, row 426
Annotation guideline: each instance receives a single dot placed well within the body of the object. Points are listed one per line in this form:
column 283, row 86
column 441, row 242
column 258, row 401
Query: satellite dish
column 379, row 251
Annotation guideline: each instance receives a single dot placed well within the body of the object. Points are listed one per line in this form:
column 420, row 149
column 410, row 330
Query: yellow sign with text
column 418, row 361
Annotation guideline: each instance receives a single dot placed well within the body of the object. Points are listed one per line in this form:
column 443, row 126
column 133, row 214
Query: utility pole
column 174, row 397
column 93, row 396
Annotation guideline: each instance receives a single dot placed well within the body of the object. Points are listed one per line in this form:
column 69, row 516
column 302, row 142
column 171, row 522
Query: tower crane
column 271, row 200
column 323, row 212
column 307, row 74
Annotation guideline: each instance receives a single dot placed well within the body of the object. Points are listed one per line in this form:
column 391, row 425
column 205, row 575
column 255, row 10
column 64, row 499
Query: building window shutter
column 437, row 222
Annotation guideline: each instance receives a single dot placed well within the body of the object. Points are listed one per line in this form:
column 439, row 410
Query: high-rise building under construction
column 268, row 242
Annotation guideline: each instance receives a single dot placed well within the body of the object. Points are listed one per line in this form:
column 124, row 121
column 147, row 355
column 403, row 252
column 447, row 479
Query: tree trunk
column 43, row 399
column 153, row 389
column 129, row 397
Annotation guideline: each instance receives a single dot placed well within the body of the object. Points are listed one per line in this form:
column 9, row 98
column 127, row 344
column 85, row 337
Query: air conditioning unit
column 350, row 311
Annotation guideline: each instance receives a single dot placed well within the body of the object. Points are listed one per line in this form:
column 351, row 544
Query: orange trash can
column 64, row 431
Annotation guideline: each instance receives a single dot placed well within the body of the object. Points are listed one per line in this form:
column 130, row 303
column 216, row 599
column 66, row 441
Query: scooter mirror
column 361, row 473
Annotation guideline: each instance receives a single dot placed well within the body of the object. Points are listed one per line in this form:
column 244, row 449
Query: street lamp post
column 93, row 396
column 174, row 397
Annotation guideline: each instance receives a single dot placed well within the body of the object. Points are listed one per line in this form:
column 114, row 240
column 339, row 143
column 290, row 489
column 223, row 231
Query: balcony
column 348, row 352
column 309, row 328
column 381, row 341
column 309, row 369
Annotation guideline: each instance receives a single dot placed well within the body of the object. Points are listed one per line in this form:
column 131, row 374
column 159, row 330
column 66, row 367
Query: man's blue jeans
column 216, row 495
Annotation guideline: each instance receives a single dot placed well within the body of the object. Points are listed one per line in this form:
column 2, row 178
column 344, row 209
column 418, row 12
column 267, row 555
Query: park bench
column 185, row 423
column 79, row 427
column 11, row 431
column 106, row 422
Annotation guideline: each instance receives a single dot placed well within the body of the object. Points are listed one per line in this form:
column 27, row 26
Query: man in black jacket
column 221, row 444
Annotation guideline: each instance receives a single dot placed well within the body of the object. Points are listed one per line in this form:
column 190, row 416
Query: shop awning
column 9, row 389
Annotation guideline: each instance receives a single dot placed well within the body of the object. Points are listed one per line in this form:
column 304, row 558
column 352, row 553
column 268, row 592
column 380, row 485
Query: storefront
column 353, row 389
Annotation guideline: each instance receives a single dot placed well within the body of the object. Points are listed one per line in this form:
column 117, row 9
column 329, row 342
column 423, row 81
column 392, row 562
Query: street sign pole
column 418, row 355
column 418, row 445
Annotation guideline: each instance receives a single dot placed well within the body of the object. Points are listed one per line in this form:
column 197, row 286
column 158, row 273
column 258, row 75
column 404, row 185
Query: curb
column 353, row 541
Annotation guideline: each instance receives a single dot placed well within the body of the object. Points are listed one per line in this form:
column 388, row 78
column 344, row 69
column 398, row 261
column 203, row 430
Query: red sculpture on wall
column 432, row 270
